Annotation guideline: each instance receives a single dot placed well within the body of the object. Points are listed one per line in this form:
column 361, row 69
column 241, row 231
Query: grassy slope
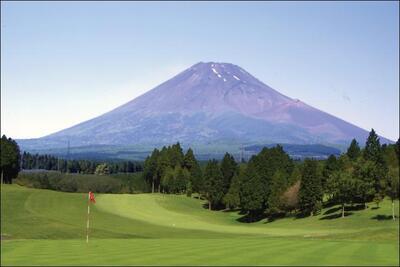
column 47, row 227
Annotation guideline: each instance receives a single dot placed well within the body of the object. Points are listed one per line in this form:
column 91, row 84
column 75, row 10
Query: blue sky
column 66, row 62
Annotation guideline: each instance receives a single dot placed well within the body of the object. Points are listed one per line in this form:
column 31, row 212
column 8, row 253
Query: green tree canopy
column 278, row 186
column 310, row 194
column 252, row 194
column 345, row 187
column 150, row 173
column 354, row 151
column 229, row 169
column 331, row 165
column 232, row 198
column 196, row 177
column 365, row 171
column 372, row 150
column 10, row 159
column 213, row 183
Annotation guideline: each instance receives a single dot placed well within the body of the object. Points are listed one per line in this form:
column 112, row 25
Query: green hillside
column 46, row 228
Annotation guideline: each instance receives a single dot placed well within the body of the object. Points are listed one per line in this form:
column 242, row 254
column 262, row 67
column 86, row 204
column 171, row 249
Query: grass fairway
column 41, row 227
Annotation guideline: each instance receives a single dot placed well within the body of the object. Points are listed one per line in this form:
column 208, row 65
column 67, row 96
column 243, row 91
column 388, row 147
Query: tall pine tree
column 252, row 193
column 196, row 177
column 310, row 194
column 372, row 150
column 150, row 169
column 278, row 187
column 213, row 184
column 229, row 169
column 331, row 165
column 354, row 151
column 232, row 198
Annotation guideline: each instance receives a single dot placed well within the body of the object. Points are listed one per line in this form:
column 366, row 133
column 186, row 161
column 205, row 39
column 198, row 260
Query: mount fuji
column 208, row 103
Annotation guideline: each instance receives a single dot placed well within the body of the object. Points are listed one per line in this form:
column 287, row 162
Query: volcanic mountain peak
column 210, row 102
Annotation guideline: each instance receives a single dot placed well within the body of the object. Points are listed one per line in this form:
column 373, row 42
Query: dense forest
column 273, row 184
column 52, row 163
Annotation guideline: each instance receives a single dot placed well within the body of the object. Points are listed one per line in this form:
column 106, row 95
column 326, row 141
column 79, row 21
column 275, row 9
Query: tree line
column 52, row 163
column 270, row 183
column 273, row 184
column 73, row 182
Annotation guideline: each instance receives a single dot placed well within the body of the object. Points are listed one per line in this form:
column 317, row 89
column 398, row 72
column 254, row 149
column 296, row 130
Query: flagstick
column 87, row 221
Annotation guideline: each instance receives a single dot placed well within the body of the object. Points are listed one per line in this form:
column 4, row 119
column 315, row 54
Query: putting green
column 42, row 227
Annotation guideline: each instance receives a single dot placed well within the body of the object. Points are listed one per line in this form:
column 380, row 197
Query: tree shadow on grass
column 273, row 217
column 301, row 215
column 375, row 208
column 348, row 208
column 381, row 217
column 356, row 207
column 251, row 218
column 242, row 212
column 336, row 215
column 305, row 214
column 215, row 208
column 233, row 210
column 332, row 210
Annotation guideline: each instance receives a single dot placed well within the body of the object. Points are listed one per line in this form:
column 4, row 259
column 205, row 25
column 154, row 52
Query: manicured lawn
column 43, row 227
column 221, row 251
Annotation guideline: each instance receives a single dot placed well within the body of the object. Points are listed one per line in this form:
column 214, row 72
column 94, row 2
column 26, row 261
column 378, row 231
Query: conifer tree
column 231, row 199
column 331, row 165
column 345, row 188
column 354, row 151
column 176, row 155
column 10, row 159
column 191, row 164
column 278, row 187
column 189, row 160
column 252, row 193
column 310, row 194
column 150, row 169
column 181, row 179
column 163, row 162
column 365, row 171
column 265, row 164
column 213, row 183
column 372, row 150
column 229, row 169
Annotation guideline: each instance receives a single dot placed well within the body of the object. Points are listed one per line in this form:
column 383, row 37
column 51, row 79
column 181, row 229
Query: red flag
column 91, row 197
